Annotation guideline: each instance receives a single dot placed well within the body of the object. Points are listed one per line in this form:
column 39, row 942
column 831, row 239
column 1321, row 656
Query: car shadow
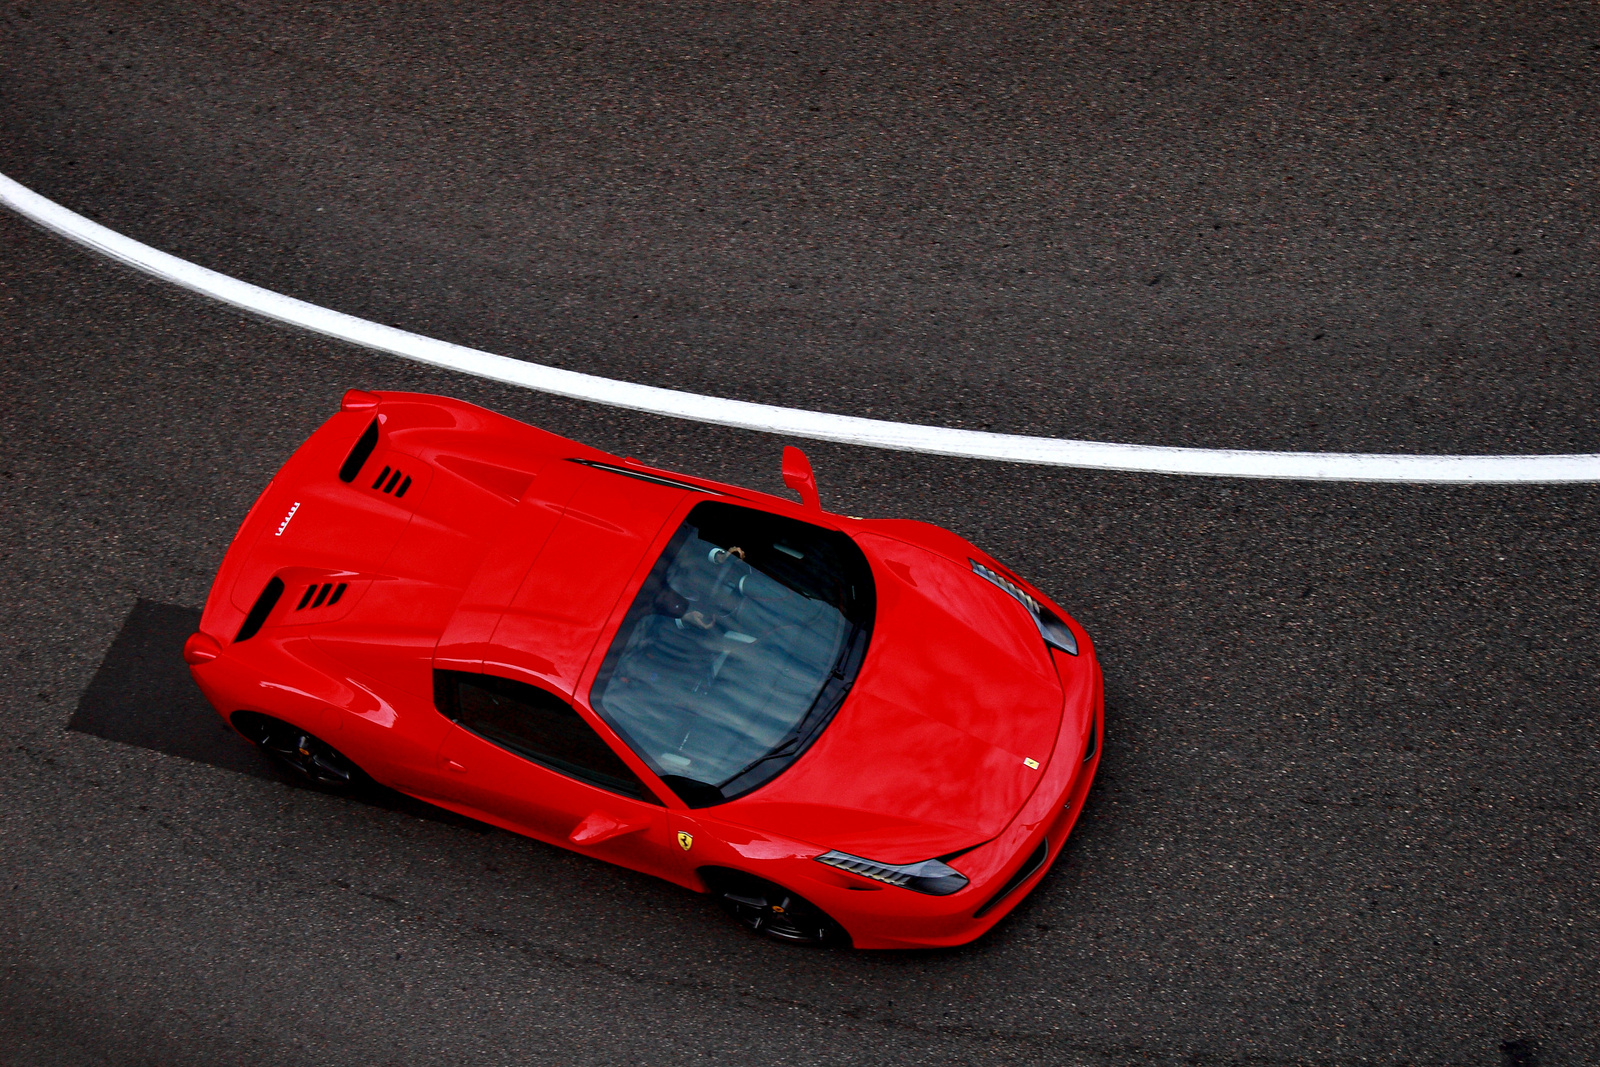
column 142, row 695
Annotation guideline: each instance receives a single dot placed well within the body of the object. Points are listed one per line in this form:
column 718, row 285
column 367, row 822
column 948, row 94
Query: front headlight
column 934, row 877
column 1056, row 633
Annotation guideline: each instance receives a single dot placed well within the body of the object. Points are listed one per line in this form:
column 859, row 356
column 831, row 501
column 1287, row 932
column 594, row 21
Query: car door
column 524, row 756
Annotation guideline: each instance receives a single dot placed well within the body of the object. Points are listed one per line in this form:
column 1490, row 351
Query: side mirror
column 797, row 476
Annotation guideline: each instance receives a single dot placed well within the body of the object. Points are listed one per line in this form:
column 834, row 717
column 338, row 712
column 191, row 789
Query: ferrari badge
column 685, row 840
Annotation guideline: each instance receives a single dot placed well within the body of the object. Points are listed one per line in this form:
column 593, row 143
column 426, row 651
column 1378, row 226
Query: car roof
column 601, row 540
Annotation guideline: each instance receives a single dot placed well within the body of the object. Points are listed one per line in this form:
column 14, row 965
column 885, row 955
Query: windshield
column 738, row 649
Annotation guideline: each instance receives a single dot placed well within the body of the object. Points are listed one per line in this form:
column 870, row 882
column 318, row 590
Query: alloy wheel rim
column 309, row 757
column 783, row 919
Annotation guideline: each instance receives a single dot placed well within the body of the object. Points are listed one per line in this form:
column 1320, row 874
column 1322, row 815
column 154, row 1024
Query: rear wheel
column 769, row 909
column 305, row 756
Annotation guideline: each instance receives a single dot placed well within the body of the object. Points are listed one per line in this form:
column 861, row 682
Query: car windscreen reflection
column 737, row 650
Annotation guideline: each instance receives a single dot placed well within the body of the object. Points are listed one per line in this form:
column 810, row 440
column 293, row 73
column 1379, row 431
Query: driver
column 675, row 605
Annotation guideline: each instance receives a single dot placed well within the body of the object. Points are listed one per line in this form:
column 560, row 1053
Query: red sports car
column 854, row 731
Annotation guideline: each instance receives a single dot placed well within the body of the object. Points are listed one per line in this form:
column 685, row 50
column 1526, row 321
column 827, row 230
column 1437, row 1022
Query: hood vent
column 261, row 609
column 316, row 595
column 392, row 480
column 360, row 453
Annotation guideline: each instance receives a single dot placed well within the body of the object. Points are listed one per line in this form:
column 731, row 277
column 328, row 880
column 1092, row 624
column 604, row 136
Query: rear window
column 737, row 650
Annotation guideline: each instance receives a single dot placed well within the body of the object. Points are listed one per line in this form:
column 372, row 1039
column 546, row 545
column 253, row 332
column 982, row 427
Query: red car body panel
column 958, row 689
column 471, row 542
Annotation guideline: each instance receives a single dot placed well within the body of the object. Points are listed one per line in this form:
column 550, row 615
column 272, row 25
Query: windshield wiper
column 816, row 716
column 785, row 748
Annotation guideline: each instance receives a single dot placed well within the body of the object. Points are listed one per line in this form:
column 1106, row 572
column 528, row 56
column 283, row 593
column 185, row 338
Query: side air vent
column 392, row 480
column 1027, row 870
column 263, row 607
column 644, row 477
column 316, row 595
column 360, row 453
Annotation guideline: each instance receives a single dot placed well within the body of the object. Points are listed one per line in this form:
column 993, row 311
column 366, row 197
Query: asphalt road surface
column 1347, row 809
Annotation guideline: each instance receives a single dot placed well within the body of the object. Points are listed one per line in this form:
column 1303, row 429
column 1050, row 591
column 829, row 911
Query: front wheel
column 306, row 757
column 769, row 909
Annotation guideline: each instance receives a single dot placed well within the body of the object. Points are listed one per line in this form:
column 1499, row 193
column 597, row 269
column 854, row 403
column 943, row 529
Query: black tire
column 770, row 910
column 306, row 757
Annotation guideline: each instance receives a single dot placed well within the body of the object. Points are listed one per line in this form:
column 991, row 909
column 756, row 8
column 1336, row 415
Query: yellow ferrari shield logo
column 685, row 840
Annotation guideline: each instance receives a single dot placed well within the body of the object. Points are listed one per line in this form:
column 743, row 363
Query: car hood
column 928, row 754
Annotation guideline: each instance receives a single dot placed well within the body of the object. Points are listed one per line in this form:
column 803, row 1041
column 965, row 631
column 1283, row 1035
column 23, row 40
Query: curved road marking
column 795, row 422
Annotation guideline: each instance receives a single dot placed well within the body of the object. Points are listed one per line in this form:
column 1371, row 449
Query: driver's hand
column 670, row 603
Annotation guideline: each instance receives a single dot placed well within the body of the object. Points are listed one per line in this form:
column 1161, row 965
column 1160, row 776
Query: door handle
column 601, row 826
column 454, row 766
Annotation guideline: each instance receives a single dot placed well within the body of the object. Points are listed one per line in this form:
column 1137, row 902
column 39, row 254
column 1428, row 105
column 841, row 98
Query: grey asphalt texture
column 1347, row 808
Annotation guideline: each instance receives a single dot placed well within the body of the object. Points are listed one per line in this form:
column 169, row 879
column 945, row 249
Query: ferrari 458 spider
column 854, row 731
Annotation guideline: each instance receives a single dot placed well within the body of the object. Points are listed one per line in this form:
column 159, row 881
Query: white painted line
column 795, row 422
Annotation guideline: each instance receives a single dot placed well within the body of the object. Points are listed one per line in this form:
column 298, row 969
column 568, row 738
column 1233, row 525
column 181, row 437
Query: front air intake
column 1026, row 871
column 263, row 607
column 360, row 453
